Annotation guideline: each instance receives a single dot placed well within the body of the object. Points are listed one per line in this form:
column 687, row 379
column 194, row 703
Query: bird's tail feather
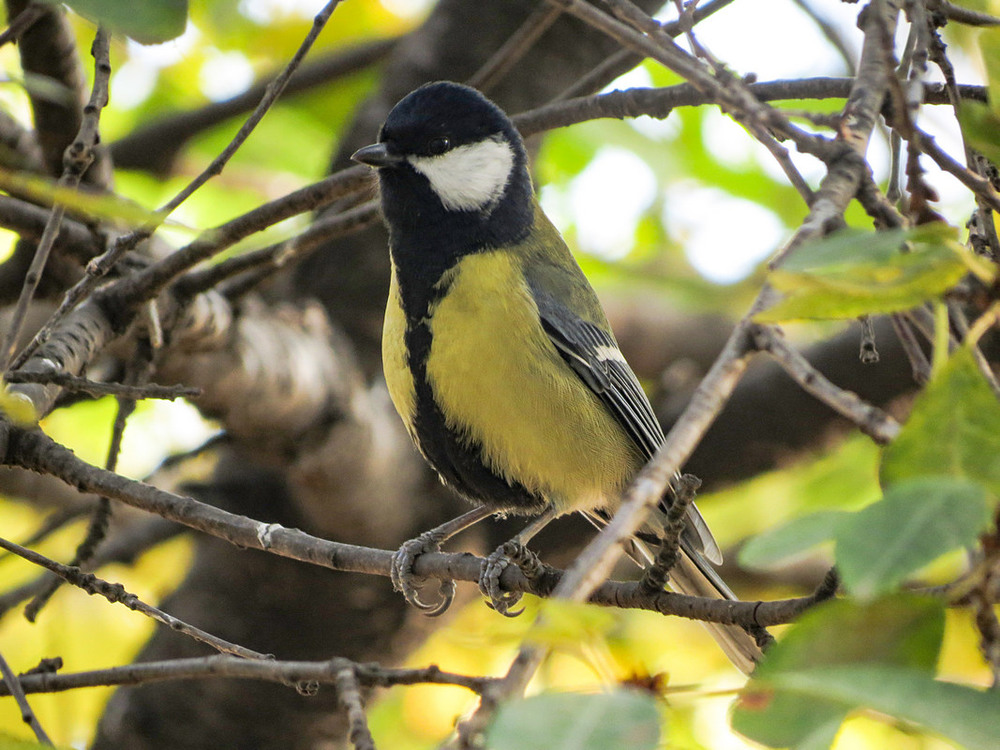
column 695, row 576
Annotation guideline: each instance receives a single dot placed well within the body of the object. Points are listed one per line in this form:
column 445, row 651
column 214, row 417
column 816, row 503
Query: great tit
column 496, row 351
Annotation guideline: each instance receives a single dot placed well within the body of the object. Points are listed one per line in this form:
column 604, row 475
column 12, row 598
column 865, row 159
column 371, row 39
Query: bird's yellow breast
column 395, row 367
column 500, row 382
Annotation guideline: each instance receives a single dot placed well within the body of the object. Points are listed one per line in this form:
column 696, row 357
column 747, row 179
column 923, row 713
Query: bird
column 497, row 353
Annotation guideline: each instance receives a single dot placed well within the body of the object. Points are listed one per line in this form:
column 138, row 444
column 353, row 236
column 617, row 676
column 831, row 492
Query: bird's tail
column 693, row 575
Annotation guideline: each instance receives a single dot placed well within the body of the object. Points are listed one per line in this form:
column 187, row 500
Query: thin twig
column 961, row 323
column 101, row 265
column 147, row 283
column 124, row 547
column 893, row 191
column 78, row 157
column 878, row 205
column 833, row 34
column 979, row 185
column 97, row 389
column 685, row 18
column 871, row 420
column 959, row 14
column 116, row 594
column 272, row 670
column 22, row 22
column 168, row 133
column 349, row 695
column 27, row 715
column 176, row 459
column 624, row 60
column 915, row 54
column 271, row 94
column 517, row 45
column 784, row 159
column 919, row 363
column 97, row 528
column 50, row 525
column 987, row 228
column 659, row 102
column 269, row 259
column 894, row 141
column 139, row 370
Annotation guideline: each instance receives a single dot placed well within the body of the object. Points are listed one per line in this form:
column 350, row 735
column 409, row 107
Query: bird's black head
column 452, row 172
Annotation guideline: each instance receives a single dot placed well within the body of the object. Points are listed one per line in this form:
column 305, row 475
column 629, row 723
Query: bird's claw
column 405, row 581
column 510, row 553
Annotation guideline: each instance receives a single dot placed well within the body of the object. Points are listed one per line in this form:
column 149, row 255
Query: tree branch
column 869, row 419
column 271, row 670
column 34, row 450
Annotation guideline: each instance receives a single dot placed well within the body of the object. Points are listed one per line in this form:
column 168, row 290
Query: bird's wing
column 592, row 352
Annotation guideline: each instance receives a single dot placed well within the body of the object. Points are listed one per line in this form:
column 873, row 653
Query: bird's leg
column 401, row 574
column 513, row 552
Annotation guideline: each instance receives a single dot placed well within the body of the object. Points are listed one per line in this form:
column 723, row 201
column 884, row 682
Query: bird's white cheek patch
column 470, row 177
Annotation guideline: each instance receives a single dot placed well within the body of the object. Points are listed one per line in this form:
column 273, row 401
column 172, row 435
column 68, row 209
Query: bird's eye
column 438, row 145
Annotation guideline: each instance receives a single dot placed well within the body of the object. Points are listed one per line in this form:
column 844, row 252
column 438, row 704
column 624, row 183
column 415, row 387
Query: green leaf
column 776, row 546
column 785, row 720
column 970, row 717
column 958, row 405
column 572, row 721
column 847, row 249
column 899, row 630
column 146, row 22
column 989, row 46
column 916, row 522
column 981, row 122
column 853, row 273
column 94, row 205
column 980, row 127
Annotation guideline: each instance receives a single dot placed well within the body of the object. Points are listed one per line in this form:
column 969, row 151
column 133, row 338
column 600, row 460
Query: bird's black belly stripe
column 457, row 460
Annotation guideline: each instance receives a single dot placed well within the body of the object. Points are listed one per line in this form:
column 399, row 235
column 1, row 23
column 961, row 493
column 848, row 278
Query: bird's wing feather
column 593, row 354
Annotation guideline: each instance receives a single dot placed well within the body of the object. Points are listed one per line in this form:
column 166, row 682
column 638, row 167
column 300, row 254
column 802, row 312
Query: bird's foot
column 409, row 584
column 509, row 553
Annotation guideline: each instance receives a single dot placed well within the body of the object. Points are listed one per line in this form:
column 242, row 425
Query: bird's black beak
column 376, row 155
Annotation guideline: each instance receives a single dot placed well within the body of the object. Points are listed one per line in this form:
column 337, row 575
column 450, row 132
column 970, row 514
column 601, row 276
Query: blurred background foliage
column 639, row 201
